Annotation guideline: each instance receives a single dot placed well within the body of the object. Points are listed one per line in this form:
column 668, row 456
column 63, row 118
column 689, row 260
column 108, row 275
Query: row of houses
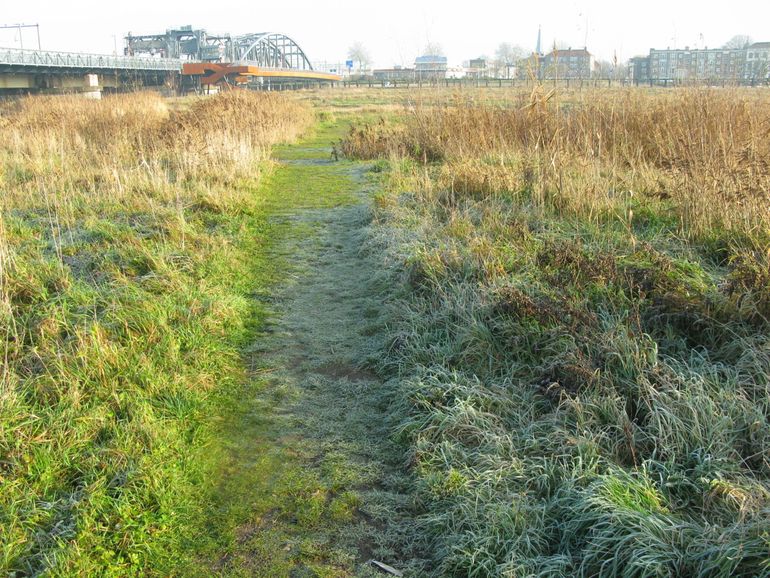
column 557, row 64
column 736, row 66
column 747, row 65
column 733, row 65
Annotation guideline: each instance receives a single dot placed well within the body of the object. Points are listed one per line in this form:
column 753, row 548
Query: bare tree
column 738, row 42
column 434, row 49
column 506, row 57
column 607, row 69
column 614, row 69
column 358, row 53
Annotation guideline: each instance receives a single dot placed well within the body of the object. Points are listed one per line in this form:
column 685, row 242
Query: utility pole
column 20, row 27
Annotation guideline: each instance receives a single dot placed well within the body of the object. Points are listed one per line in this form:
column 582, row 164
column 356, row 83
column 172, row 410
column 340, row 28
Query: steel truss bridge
column 180, row 57
column 257, row 57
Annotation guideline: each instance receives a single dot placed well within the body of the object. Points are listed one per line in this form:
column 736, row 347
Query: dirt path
column 313, row 469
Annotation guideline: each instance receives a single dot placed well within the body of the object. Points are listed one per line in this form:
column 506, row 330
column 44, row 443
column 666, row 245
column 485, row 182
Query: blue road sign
column 349, row 63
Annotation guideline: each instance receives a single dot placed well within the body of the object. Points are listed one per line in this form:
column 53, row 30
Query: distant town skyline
column 395, row 32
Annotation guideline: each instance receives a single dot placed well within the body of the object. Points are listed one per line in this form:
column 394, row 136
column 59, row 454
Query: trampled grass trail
column 311, row 484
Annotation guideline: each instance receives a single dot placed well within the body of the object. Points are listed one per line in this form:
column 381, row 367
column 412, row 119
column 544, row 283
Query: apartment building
column 738, row 65
column 639, row 69
column 567, row 64
column 757, row 66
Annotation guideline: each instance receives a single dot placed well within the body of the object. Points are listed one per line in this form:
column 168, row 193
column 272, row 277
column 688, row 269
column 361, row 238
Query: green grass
column 127, row 333
column 330, row 185
column 572, row 396
column 130, row 336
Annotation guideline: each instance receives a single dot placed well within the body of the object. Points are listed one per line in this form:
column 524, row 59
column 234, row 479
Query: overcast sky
column 395, row 31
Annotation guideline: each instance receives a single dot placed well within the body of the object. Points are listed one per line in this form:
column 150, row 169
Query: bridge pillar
column 92, row 88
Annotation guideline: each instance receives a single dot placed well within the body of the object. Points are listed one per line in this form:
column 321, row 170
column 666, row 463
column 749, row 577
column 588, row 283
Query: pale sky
column 395, row 31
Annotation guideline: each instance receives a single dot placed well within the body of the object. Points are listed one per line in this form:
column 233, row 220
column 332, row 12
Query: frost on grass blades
column 580, row 338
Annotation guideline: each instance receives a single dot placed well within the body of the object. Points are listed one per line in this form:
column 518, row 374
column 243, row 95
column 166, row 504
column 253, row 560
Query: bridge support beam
column 92, row 88
column 17, row 82
column 229, row 74
column 90, row 85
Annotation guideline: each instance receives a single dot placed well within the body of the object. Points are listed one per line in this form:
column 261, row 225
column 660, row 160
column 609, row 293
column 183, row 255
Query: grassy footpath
column 185, row 325
column 311, row 484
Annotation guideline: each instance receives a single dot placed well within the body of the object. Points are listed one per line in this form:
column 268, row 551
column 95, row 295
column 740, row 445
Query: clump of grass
column 130, row 235
column 579, row 352
column 370, row 141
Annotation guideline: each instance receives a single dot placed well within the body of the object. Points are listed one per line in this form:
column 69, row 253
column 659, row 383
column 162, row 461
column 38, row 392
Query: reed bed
column 697, row 149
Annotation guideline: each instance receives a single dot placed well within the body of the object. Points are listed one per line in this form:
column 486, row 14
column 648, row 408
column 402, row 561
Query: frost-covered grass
column 580, row 351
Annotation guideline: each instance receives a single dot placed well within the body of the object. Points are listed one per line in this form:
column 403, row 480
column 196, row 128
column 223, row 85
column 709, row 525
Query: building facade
column 558, row 64
column 431, row 67
column 757, row 66
column 715, row 65
column 477, row 68
column 639, row 69
column 698, row 65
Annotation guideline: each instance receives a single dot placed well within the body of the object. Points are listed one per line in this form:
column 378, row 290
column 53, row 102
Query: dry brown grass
column 705, row 152
column 124, row 147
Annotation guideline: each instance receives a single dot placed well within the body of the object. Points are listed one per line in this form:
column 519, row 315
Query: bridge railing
column 76, row 60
